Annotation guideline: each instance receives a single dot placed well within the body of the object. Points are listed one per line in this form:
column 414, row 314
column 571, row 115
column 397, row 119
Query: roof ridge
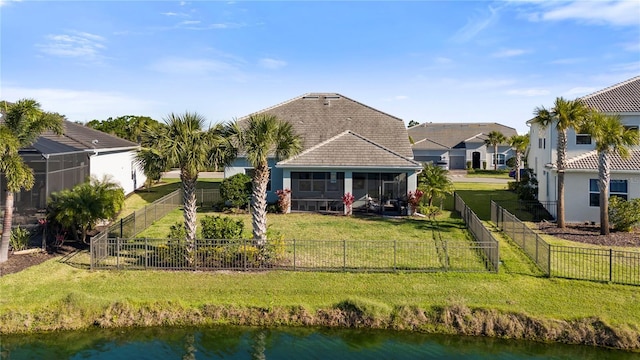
column 581, row 156
column 383, row 147
column 609, row 88
column 437, row 143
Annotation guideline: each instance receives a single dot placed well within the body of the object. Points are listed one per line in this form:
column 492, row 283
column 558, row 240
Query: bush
column 468, row 165
column 431, row 212
column 236, row 190
column 218, row 227
column 511, row 162
column 624, row 215
column 19, row 239
column 177, row 231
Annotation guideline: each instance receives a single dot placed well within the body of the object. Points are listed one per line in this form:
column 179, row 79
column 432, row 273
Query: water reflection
column 281, row 343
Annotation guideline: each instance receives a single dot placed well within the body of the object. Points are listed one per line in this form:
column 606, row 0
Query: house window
column 583, row 139
column 539, row 143
column 250, row 172
column 500, row 159
column 616, row 188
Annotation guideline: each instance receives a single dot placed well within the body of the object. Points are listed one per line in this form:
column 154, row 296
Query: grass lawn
column 489, row 175
column 83, row 298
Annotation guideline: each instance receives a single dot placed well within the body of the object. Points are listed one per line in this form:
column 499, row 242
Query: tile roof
column 77, row 137
column 589, row 161
column 349, row 149
column 621, row 97
column 452, row 135
column 318, row 117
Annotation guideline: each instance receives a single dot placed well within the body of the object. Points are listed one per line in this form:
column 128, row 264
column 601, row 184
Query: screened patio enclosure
column 323, row 191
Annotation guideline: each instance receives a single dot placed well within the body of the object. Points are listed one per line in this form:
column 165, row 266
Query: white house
column 458, row 143
column 581, row 174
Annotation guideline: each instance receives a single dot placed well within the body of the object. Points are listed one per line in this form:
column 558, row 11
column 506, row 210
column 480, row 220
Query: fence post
column 294, row 254
column 121, row 225
column 117, row 253
column 395, row 251
column 344, row 255
column 549, row 261
column 610, row 265
column 146, row 253
column 446, row 256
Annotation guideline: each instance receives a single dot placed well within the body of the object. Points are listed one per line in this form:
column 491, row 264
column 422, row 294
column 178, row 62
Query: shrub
column 284, row 200
column 177, row 231
column 484, row 165
column 218, row 227
column 624, row 215
column 430, row 211
column 19, row 239
column 511, row 162
column 236, row 190
column 468, row 165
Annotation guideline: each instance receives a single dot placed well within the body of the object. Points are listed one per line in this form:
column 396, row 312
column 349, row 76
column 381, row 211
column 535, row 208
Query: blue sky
column 429, row 61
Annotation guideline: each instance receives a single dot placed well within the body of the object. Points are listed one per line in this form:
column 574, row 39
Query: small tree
column 236, row 189
column 435, row 183
column 80, row 208
column 495, row 138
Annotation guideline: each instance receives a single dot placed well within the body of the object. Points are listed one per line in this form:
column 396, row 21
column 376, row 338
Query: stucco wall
column 577, row 207
column 120, row 166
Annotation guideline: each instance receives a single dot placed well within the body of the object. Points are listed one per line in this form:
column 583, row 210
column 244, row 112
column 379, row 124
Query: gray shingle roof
column 77, row 137
column 318, row 117
column 621, row 97
column 349, row 149
column 452, row 135
column 589, row 161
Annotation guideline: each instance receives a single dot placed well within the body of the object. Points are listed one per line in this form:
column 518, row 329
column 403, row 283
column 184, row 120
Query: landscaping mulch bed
column 19, row 262
column 590, row 234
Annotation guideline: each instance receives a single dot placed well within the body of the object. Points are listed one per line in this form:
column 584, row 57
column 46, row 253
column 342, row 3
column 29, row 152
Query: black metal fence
column 138, row 221
column 480, row 232
column 300, row 255
column 582, row 263
column 531, row 210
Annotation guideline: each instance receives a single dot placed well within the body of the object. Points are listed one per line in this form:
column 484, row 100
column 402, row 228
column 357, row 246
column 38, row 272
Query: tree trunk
column 6, row 226
column 259, row 204
column 189, row 200
column 495, row 157
column 561, row 165
column 517, row 166
column 603, row 183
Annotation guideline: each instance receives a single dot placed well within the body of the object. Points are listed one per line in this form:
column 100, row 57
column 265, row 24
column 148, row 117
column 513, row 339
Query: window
column 616, row 188
column 583, row 139
column 500, row 159
column 539, row 143
column 250, row 172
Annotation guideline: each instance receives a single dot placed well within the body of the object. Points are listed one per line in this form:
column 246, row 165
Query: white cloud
column 476, row 25
column 618, row 13
column 272, row 64
column 7, row 2
column 567, row 61
column 190, row 22
column 528, row 92
column 176, row 65
column 579, row 91
column 509, row 53
column 170, row 13
column 80, row 105
column 75, row 44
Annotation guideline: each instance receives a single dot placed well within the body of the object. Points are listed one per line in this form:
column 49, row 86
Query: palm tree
column 495, row 138
column 22, row 123
column 519, row 143
column 435, row 183
column 259, row 137
column 152, row 164
column 565, row 114
column 610, row 137
column 184, row 143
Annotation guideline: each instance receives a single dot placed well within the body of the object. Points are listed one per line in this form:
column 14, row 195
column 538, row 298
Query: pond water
column 282, row 343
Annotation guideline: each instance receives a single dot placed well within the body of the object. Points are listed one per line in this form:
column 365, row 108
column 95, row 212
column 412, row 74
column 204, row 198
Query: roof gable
column 317, row 117
column 452, row 135
column 349, row 149
column 621, row 97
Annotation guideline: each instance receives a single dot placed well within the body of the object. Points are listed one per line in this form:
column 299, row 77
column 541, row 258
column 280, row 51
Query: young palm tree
column 494, row 139
column 184, row 143
column 565, row 115
column 22, row 123
column 610, row 137
column 435, row 183
column 259, row 137
column 152, row 164
column 519, row 143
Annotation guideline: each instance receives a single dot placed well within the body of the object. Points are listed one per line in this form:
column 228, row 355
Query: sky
column 428, row 61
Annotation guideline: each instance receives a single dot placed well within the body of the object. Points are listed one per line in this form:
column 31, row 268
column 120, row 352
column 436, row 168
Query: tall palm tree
column 185, row 143
column 435, row 183
column 564, row 115
column 610, row 137
column 22, row 123
column 519, row 143
column 259, row 137
column 495, row 138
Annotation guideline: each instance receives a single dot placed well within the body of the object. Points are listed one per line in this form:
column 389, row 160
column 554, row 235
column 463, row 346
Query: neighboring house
column 581, row 175
column 348, row 147
column 458, row 143
column 60, row 162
